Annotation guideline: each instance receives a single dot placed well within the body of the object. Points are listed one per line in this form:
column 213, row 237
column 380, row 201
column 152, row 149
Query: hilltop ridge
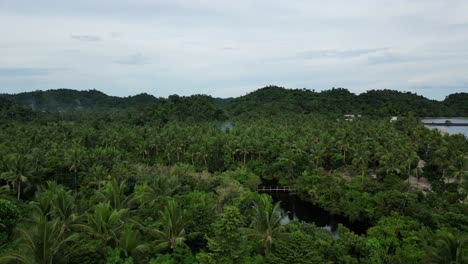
column 269, row 100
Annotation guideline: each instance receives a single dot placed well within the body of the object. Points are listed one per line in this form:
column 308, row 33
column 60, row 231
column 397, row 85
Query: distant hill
column 10, row 110
column 458, row 103
column 391, row 102
column 66, row 100
column 267, row 101
column 273, row 100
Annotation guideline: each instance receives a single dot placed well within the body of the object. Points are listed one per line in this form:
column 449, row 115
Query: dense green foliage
column 174, row 181
column 271, row 100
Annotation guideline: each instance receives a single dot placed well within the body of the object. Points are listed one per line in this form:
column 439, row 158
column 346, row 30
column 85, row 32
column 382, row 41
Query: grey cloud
column 416, row 56
column 23, row 71
column 228, row 48
column 389, row 57
column 115, row 35
column 86, row 37
column 318, row 54
column 457, row 26
column 134, row 59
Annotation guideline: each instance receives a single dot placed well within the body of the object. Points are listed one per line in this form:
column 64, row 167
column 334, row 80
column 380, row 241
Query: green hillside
column 458, row 103
column 269, row 101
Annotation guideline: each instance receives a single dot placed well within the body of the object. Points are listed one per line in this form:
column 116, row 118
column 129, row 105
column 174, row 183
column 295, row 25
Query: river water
column 296, row 209
column 450, row 129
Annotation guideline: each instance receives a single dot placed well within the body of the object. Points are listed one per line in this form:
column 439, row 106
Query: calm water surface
column 450, row 129
column 297, row 209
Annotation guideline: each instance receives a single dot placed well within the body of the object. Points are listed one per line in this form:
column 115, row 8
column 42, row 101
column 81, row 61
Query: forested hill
column 66, row 100
column 270, row 100
column 273, row 100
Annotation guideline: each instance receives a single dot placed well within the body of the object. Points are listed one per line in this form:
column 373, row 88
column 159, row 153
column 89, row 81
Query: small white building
column 349, row 117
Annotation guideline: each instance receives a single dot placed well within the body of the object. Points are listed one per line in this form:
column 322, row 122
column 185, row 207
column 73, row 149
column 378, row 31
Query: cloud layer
column 230, row 48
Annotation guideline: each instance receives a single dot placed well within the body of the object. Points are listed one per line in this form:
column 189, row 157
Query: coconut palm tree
column 266, row 226
column 104, row 223
column 172, row 232
column 40, row 241
column 57, row 202
column 96, row 175
column 451, row 250
column 114, row 193
column 74, row 161
column 18, row 171
column 157, row 188
column 130, row 242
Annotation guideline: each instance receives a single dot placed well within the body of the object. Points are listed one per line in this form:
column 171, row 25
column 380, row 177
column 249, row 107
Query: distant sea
column 450, row 129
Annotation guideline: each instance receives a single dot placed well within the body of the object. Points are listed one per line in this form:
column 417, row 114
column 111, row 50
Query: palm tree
column 40, row 241
column 130, row 242
column 104, row 223
column 114, row 193
column 266, row 223
column 74, row 161
column 156, row 189
column 18, row 171
column 171, row 233
column 97, row 175
column 360, row 161
column 57, row 202
column 450, row 250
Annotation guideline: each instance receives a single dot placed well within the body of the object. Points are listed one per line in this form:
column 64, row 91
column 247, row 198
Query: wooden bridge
column 276, row 189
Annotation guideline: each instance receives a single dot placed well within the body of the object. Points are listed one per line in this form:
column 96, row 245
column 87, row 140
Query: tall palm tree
column 96, row 175
column 130, row 242
column 450, row 250
column 104, row 223
column 40, row 241
column 18, row 171
column 57, row 202
column 74, row 161
column 266, row 226
column 172, row 232
column 114, row 193
column 157, row 188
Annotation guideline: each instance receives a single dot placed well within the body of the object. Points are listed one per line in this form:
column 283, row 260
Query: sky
column 230, row 48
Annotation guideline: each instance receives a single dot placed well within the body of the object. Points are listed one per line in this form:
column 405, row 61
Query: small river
column 450, row 129
column 297, row 209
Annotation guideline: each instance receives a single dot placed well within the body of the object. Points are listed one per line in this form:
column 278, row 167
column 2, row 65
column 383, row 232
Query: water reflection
column 296, row 209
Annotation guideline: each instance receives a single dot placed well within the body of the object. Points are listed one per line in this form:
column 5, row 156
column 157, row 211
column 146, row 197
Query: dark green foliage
column 394, row 103
column 401, row 239
column 302, row 245
column 153, row 180
column 226, row 244
column 449, row 248
column 268, row 101
column 9, row 216
column 457, row 103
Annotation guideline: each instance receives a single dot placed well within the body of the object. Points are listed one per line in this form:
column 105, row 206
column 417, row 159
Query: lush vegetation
column 174, row 180
column 271, row 100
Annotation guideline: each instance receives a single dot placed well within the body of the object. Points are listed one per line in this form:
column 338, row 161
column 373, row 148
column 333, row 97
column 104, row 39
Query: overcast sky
column 229, row 48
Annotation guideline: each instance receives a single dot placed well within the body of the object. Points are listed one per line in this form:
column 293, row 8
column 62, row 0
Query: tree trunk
column 75, row 181
column 19, row 190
